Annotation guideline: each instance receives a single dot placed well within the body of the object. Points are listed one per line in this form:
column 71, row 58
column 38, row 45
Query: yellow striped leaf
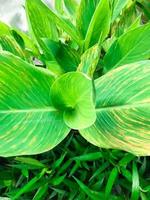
column 29, row 124
column 123, row 110
column 89, row 60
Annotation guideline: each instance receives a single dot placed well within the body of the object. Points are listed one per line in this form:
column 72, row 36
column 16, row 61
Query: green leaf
column 29, row 124
column 84, row 15
column 111, row 180
column 90, row 193
column 30, row 161
column 29, row 185
column 8, row 43
column 89, row 60
column 125, row 20
column 123, row 110
column 54, row 68
column 72, row 94
column 4, row 29
column 89, row 157
column 40, row 22
column 59, row 6
column 28, row 43
column 145, row 6
column 21, row 38
column 117, row 7
column 66, row 57
column 136, row 23
column 135, row 183
column 99, row 26
column 130, row 47
column 41, row 192
column 71, row 6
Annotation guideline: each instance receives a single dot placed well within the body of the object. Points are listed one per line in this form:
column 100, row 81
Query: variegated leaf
column 89, row 60
column 29, row 124
column 123, row 110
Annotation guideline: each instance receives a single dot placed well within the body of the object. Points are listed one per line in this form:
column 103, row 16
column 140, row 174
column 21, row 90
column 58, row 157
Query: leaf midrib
column 127, row 106
column 48, row 109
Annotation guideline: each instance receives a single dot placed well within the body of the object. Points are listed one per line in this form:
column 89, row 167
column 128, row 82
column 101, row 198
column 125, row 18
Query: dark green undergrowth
column 76, row 170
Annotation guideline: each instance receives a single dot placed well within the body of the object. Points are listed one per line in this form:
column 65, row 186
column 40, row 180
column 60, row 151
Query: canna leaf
column 125, row 20
column 59, row 6
column 4, row 29
column 99, row 25
column 72, row 94
column 29, row 124
column 8, row 43
column 40, row 22
column 71, row 6
column 117, row 6
column 131, row 47
column 66, row 57
column 89, row 60
column 84, row 15
column 26, row 41
column 123, row 110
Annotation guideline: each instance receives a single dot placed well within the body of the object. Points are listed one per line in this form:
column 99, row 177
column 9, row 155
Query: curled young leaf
column 72, row 94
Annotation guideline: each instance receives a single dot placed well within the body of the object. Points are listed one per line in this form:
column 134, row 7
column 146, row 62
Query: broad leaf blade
column 72, row 94
column 123, row 110
column 130, row 47
column 29, row 124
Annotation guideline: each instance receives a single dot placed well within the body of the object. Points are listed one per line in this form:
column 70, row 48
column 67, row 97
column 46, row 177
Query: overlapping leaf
column 13, row 37
column 40, row 22
column 131, row 47
column 123, row 110
column 84, row 15
column 43, row 21
column 66, row 57
column 8, row 43
column 93, row 21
